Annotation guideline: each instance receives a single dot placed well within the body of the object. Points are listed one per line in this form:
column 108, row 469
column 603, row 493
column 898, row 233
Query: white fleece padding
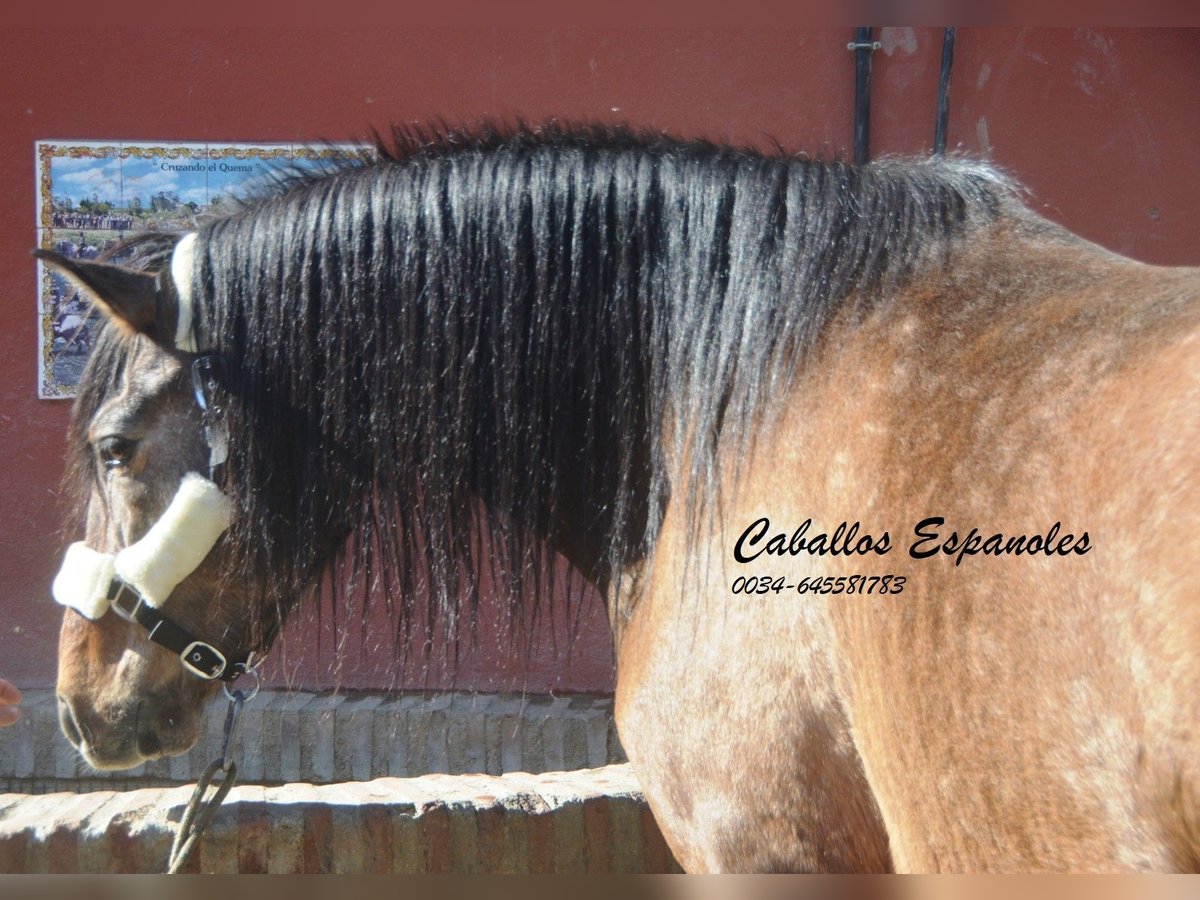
column 177, row 543
column 82, row 580
column 182, row 260
column 171, row 550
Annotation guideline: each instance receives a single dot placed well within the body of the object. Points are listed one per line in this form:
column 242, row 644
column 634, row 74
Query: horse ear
column 129, row 297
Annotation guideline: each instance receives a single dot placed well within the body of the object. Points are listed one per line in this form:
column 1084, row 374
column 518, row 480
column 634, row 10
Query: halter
column 136, row 582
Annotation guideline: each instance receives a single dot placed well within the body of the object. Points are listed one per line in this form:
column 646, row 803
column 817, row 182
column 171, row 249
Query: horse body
column 654, row 357
column 924, row 730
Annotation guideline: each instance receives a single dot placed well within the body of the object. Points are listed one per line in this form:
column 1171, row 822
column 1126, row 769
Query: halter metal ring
column 250, row 668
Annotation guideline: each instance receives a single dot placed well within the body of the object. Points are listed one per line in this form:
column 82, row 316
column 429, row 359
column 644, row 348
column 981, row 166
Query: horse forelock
column 509, row 317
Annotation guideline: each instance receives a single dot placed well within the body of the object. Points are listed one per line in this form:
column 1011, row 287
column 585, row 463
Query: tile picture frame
column 94, row 194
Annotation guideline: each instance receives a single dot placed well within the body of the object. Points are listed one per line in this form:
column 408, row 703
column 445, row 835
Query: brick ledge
column 586, row 821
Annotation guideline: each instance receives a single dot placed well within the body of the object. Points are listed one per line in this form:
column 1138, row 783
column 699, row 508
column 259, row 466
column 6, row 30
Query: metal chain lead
column 200, row 812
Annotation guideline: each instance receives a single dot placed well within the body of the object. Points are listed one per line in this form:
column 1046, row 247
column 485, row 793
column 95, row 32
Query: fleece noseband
column 136, row 582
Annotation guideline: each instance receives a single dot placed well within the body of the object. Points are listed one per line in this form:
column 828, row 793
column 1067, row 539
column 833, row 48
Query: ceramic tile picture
column 94, row 195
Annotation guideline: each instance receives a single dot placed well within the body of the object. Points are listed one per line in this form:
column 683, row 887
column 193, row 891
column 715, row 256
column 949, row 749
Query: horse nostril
column 149, row 744
column 68, row 722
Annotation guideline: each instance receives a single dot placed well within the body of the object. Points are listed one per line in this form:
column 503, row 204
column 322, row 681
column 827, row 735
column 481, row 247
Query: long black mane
column 502, row 343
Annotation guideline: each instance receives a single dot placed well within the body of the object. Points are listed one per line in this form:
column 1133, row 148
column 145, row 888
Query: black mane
column 502, row 341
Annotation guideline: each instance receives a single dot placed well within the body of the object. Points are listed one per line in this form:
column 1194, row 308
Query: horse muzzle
column 127, row 737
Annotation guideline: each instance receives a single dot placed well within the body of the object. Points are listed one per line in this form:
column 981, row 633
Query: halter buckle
column 203, row 660
column 205, row 373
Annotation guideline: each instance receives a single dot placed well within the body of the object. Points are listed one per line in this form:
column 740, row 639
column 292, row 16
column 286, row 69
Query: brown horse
column 892, row 486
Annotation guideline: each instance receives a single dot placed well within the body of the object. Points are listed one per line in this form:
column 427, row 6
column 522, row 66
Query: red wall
column 1100, row 125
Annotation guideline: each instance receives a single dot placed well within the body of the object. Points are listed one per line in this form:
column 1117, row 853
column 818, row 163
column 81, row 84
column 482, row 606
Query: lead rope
column 200, row 812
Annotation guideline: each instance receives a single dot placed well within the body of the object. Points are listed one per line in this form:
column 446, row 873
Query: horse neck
column 513, row 324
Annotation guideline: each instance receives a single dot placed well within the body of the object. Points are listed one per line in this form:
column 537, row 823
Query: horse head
column 155, row 619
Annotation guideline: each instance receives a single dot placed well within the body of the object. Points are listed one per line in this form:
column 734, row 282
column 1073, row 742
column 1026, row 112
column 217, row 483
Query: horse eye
column 115, row 451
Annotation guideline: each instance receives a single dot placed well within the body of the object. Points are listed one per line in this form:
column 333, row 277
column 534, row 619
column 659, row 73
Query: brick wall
column 330, row 738
column 317, row 790
column 589, row 821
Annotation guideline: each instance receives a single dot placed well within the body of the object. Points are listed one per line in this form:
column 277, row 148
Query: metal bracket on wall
column 943, row 101
column 863, row 47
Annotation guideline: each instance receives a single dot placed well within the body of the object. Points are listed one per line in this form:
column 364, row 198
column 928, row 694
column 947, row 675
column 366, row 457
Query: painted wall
column 1100, row 125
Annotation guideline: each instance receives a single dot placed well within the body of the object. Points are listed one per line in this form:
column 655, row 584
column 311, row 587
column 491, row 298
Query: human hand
column 9, row 698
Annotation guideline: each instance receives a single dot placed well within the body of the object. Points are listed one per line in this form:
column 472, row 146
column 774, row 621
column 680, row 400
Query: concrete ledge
column 290, row 736
column 588, row 821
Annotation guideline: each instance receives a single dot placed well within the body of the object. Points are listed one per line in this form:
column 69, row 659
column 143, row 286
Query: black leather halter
column 201, row 658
